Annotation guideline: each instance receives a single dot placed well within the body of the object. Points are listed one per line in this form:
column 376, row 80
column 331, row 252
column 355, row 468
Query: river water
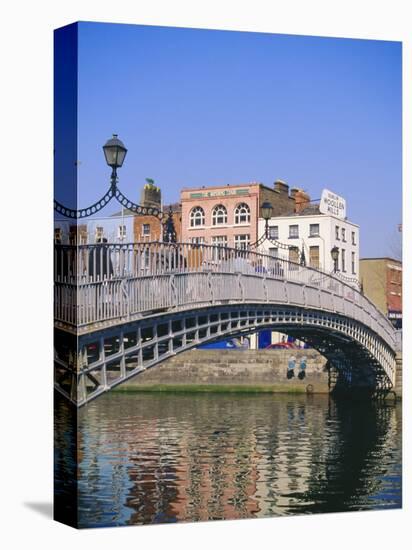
column 149, row 458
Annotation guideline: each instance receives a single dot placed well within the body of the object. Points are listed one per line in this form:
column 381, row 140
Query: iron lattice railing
column 101, row 281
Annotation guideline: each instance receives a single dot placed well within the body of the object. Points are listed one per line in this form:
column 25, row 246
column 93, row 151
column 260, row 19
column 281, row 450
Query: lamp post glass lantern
column 335, row 255
column 114, row 152
column 266, row 210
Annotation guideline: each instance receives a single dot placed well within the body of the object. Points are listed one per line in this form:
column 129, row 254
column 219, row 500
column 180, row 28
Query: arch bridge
column 123, row 308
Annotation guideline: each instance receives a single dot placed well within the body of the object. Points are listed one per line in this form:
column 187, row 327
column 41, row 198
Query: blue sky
column 200, row 107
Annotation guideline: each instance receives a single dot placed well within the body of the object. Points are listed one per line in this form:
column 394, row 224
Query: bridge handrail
column 88, row 264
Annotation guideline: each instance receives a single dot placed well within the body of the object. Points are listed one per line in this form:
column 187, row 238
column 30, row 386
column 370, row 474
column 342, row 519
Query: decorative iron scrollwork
column 113, row 192
column 84, row 212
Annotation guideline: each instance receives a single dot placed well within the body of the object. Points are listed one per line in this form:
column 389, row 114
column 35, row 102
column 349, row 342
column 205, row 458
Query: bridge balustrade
column 111, row 282
column 139, row 297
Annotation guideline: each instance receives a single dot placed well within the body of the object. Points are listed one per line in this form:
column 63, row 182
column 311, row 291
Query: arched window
column 219, row 215
column 197, row 216
column 242, row 213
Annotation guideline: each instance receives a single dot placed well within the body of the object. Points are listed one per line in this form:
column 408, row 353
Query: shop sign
column 332, row 204
column 395, row 314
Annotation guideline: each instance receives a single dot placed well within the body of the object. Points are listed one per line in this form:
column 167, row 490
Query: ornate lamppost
column 115, row 153
column 348, row 280
column 335, row 256
column 266, row 210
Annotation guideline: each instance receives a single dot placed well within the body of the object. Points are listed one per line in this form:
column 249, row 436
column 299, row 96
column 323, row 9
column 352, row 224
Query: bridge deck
column 111, row 286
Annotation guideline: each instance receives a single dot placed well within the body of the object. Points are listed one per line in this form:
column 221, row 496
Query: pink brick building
column 228, row 214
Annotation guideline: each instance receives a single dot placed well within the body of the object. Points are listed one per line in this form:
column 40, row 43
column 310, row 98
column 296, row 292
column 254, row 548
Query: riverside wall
column 237, row 370
column 398, row 384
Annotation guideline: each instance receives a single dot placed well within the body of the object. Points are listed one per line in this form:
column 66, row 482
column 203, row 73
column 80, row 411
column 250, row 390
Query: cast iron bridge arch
column 124, row 308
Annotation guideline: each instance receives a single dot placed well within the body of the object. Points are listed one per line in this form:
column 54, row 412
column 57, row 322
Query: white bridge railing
column 114, row 282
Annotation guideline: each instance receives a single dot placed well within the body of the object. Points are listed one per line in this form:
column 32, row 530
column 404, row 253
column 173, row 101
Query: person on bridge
column 100, row 262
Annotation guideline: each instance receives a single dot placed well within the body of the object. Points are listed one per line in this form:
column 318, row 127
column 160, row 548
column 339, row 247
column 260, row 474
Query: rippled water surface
column 155, row 458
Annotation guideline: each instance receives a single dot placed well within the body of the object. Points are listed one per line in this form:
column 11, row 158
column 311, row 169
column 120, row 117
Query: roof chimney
column 281, row 187
column 302, row 199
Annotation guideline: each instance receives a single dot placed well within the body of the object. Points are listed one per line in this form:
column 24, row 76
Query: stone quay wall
column 398, row 384
column 236, row 370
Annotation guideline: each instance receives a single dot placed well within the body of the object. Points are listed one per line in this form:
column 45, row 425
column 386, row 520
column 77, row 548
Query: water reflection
column 156, row 458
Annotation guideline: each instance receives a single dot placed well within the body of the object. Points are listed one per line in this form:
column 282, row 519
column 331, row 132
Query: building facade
column 150, row 228
column 113, row 229
column 316, row 234
column 381, row 280
column 228, row 215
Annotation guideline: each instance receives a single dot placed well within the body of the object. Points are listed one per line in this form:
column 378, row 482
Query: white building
column 116, row 229
column 316, row 234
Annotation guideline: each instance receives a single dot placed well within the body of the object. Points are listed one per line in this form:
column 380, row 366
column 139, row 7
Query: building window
column 353, row 238
column 73, row 238
column 144, row 260
column 343, row 234
column 274, row 232
column 122, row 232
column 294, row 256
column 274, row 252
column 197, row 240
column 197, row 216
column 146, row 230
column 314, row 230
column 343, row 259
column 58, row 235
column 396, row 277
column 337, row 232
column 221, row 242
column 99, row 234
column 242, row 213
column 242, row 241
column 353, row 264
column 293, row 231
column 314, row 257
column 219, row 215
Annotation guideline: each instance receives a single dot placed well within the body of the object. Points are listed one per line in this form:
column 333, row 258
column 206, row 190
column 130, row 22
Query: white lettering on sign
column 395, row 314
column 332, row 204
